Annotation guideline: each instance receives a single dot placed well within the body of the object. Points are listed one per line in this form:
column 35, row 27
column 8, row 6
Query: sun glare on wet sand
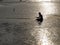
column 41, row 0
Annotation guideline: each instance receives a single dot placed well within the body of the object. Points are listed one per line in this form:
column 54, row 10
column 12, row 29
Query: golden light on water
column 44, row 0
column 41, row 0
column 48, row 8
column 43, row 37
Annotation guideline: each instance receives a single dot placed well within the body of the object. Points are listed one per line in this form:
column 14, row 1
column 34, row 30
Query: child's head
column 39, row 13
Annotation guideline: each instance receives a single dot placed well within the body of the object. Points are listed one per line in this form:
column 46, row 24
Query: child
column 40, row 18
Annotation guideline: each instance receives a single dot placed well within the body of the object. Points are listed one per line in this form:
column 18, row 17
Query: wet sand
column 21, row 28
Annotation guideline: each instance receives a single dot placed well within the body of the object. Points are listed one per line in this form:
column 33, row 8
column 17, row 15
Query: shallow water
column 21, row 28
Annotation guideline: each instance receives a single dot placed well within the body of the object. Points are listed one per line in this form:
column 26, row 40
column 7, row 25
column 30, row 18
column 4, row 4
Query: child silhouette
column 40, row 18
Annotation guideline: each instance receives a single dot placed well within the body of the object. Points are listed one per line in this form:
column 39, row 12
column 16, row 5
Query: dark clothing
column 40, row 18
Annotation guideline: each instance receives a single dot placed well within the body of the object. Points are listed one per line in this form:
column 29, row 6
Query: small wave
column 15, row 18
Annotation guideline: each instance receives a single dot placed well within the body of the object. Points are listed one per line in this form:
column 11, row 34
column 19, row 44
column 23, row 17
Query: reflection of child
column 20, row 0
column 13, row 9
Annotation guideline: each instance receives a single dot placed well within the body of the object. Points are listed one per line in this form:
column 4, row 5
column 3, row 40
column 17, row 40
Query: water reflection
column 46, row 33
column 43, row 37
column 39, row 0
column 48, row 8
